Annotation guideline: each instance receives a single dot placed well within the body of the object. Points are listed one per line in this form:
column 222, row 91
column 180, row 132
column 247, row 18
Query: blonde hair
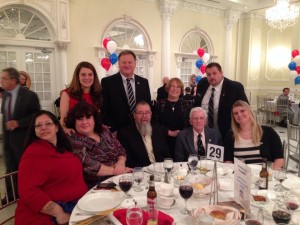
column 178, row 82
column 256, row 130
column 28, row 80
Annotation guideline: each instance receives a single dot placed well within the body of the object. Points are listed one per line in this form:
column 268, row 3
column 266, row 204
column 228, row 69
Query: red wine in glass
column 280, row 216
column 185, row 191
column 253, row 222
column 292, row 206
column 125, row 185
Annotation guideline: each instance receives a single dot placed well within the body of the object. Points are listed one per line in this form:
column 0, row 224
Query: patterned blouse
column 92, row 153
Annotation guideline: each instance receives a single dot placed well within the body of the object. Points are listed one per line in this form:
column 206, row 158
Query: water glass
column 203, row 165
column 279, row 175
column 134, row 215
column 138, row 176
column 168, row 164
column 254, row 218
column 158, row 171
column 193, row 162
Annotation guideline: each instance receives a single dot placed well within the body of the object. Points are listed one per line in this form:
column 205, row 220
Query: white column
column 167, row 8
column 231, row 17
column 63, row 71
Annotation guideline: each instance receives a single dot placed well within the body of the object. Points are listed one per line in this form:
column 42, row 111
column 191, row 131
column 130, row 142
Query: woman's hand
column 119, row 168
column 69, row 131
column 173, row 133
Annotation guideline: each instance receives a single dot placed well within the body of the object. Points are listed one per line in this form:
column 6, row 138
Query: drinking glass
column 168, row 164
column 281, row 214
column 254, row 218
column 193, row 162
column 125, row 183
column 134, row 215
column 185, row 191
column 292, row 201
column 279, row 175
column 138, row 176
column 203, row 165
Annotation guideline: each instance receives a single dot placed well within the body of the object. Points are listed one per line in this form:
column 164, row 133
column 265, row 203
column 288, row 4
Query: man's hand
column 11, row 125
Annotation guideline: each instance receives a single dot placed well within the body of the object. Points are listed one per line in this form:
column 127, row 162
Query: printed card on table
column 242, row 183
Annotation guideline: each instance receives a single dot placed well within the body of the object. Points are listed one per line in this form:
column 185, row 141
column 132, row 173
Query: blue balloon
column 292, row 65
column 199, row 63
column 113, row 58
column 198, row 78
column 297, row 80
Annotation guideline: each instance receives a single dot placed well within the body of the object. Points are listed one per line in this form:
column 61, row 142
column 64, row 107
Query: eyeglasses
column 140, row 113
column 46, row 124
column 175, row 87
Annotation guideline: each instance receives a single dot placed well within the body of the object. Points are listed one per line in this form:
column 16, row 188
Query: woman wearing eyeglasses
column 100, row 152
column 50, row 176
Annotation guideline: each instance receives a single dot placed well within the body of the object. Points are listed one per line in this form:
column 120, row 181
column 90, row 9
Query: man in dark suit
column 194, row 140
column 121, row 91
column 18, row 106
column 144, row 142
column 226, row 92
column 161, row 92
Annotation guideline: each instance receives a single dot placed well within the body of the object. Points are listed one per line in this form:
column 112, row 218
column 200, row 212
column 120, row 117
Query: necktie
column 131, row 100
column 9, row 116
column 201, row 150
column 211, row 109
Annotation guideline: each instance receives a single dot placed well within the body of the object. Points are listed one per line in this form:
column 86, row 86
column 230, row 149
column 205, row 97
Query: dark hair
column 75, row 86
column 80, row 110
column 214, row 64
column 127, row 52
column 12, row 74
column 63, row 143
column 285, row 89
column 187, row 89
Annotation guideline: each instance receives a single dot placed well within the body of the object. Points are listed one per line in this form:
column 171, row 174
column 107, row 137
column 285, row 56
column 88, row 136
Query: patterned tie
column 131, row 100
column 211, row 109
column 201, row 150
column 9, row 96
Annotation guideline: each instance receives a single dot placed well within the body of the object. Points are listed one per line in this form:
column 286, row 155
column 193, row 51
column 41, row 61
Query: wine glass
column 125, row 183
column 134, row 215
column 138, row 176
column 292, row 201
column 254, row 218
column 279, row 175
column 203, row 165
column 281, row 214
column 185, row 191
column 193, row 162
column 168, row 164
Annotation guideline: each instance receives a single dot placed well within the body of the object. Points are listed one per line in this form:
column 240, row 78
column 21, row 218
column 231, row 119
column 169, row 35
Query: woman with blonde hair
column 25, row 80
column 249, row 141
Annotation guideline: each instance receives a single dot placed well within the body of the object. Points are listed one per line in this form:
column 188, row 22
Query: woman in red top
column 85, row 86
column 50, row 175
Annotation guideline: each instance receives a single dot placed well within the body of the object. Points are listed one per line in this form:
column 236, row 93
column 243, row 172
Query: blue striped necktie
column 131, row 99
column 211, row 109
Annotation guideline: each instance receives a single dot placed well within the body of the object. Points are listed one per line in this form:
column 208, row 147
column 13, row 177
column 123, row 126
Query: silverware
column 85, row 213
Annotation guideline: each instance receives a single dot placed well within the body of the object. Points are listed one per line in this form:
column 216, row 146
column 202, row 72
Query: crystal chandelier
column 282, row 15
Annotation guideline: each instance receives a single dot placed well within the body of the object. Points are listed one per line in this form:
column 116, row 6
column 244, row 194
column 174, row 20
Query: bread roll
column 218, row 214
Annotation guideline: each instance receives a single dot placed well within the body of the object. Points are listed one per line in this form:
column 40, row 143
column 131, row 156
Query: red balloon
column 202, row 69
column 104, row 42
column 201, row 51
column 105, row 63
column 295, row 53
column 298, row 69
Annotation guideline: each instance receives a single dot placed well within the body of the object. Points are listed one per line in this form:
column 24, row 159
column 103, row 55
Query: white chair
column 293, row 140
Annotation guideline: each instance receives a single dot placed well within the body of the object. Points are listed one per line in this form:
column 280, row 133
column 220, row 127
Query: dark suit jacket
column 27, row 103
column 136, row 152
column 161, row 93
column 231, row 92
column 116, row 112
column 185, row 142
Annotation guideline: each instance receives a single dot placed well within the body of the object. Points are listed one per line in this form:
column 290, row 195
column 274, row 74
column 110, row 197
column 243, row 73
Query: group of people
column 109, row 129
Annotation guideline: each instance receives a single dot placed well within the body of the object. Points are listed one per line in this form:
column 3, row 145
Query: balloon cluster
column 111, row 47
column 201, row 63
column 294, row 66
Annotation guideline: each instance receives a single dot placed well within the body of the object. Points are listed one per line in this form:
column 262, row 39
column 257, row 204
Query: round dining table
column 225, row 193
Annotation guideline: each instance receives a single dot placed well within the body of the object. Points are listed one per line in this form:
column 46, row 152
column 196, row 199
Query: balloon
column 297, row 80
column 202, row 69
column 111, row 47
column 297, row 59
column 201, row 51
column 105, row 63
column 113, row 69
column 298, row 69
column 295, row 53
column 206, row 57
column 198, row 78
column 113, row 58
column 294, row 74
column 104, row 42
column 292, row 65
column 199, row 63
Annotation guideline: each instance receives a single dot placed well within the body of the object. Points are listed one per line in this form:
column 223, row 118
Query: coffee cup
column 165, row 201
column 166, row 189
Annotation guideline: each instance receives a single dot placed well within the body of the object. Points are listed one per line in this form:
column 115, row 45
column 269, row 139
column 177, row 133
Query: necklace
column 246, row 132
column 172, row 105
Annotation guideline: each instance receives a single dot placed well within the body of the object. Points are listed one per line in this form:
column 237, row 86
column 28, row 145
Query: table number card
column 242, row 183
column 215, row 152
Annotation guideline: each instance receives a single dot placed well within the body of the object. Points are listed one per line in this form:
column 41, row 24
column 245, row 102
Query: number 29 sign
column 215, row 152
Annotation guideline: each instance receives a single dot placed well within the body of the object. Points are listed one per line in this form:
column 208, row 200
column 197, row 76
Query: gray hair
column 198, row 109
column 12, row 73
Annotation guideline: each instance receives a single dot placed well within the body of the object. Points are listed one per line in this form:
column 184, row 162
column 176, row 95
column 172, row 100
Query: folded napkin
column 163, row 219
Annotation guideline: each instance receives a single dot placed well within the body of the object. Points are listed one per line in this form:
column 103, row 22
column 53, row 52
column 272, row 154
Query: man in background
column 161, row 92
column 284, row 98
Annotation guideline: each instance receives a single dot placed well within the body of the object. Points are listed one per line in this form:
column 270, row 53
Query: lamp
column 282, row 15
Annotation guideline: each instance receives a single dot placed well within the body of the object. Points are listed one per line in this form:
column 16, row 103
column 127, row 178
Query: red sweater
column 44, row 175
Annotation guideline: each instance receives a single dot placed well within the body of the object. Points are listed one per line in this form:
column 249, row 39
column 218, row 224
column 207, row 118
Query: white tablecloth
column 294, row 106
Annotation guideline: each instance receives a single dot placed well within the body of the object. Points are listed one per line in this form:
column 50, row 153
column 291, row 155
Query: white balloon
column 205, row 57
column 111, row 47
column 113, row 69
column 294, row 74
column 297, row 59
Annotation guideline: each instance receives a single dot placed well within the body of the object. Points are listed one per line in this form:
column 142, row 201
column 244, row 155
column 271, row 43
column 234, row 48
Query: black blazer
column 161, row 93
column 231, row 92
column 185, row 142
column 115, row 111
column 136, row 153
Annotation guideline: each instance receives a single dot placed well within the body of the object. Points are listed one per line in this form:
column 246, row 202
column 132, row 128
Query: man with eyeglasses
column 144, row 142
column 18, row 106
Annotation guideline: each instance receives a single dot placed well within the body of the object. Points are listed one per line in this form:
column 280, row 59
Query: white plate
column 263, row 193
column 117, row 178
column 141, row 202
column 151, row 168
column 226, row 185
column 100, row 201
column 291, row 183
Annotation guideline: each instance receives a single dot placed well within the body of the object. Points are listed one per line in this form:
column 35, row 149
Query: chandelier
column 282, row 15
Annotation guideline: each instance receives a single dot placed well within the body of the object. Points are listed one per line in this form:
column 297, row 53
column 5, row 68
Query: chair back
column 283, row 106
column 293, row 144
column 8, row 196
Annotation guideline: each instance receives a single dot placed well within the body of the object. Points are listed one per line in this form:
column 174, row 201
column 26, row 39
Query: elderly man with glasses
column 144, row 142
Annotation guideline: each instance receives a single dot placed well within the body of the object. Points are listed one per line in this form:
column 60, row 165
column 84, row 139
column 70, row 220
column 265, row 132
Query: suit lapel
column 18, row 101
column 224, row 92
column 138, row 87
column 120, row 86
column 190, row 140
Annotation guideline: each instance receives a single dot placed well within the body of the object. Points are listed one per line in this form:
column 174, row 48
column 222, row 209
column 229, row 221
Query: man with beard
column 144, row 142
